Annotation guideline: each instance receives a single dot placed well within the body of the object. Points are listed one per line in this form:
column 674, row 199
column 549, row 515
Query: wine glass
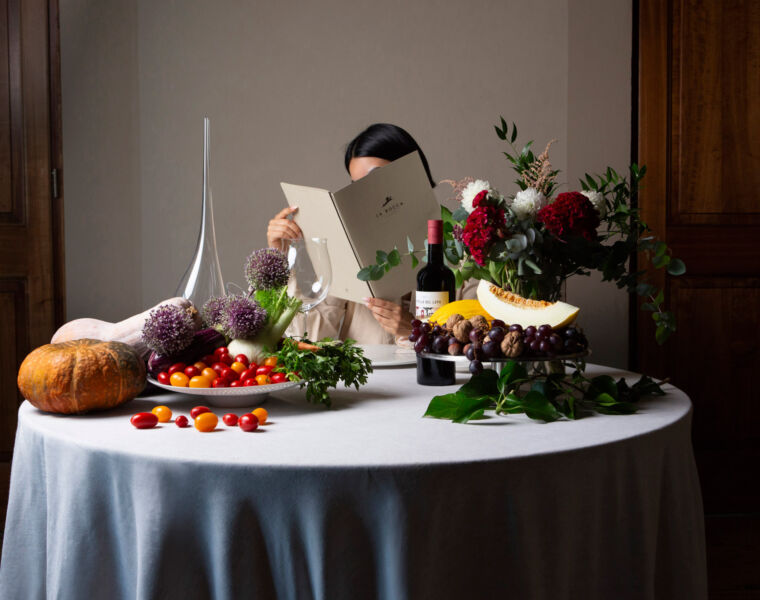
column 310, row 271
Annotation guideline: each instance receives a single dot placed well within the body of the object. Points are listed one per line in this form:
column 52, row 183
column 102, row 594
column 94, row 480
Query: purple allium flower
column 242, row 317
column 267, row 268
column 168, row 329
column 212, row 310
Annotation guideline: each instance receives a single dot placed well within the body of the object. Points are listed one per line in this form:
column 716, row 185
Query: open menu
column 377, row 212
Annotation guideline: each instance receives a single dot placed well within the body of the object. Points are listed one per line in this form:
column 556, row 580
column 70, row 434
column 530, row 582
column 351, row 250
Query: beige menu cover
column 377, row 212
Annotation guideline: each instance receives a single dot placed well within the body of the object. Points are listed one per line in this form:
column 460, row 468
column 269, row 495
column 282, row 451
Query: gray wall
column 286, row 86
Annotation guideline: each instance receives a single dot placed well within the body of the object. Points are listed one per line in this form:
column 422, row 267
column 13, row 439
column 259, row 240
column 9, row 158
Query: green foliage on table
column 541, row 395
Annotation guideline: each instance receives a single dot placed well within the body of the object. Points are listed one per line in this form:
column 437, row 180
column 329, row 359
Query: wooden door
column 699, row 135
column 31, row 222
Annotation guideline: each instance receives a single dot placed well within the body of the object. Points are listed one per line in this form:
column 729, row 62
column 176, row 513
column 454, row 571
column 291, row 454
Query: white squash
column 128, row 331
column 514, row 309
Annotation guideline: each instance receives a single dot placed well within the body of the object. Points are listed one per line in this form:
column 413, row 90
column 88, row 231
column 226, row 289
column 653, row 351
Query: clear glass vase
column 203, row 278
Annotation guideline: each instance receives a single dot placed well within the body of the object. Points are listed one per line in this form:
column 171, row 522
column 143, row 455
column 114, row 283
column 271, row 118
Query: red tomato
column 247, row 374
column 221, row 350
column 242, row 358
column 192, row 371
column 237, row 383
column 248, row 422
column 218, row 366
column 209, row 359
column 181, row 421
column 163, row 377
column 264, row 370
column 226, row 359
column 230, row 419
column 176, row 367
column 219, row 383
column 270, row 361
column 278, row 377
column 144, row 420
column 199, row 410
column 229, row 375
column 248, row 382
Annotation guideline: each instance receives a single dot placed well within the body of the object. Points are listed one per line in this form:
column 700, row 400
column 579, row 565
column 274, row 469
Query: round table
column 365, row 500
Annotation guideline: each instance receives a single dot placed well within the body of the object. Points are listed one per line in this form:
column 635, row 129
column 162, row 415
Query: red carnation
column 479, row 199
column 570, row 214
column 484, row 225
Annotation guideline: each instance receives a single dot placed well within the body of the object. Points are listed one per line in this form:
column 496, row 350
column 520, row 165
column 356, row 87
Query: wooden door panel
column 13, row 348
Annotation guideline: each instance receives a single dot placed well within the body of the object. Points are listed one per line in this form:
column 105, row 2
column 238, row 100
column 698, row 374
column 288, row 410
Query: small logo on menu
column 388, row 199
column 385, row 209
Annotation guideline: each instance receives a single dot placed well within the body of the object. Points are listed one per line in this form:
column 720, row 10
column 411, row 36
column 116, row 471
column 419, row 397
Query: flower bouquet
column 530, row 242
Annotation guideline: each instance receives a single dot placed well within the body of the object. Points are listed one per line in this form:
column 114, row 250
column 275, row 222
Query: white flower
column 471, row 190
column 597, row 201
column 527, row 203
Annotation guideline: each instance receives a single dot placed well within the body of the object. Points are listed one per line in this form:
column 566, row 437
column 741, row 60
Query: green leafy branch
column 541, row 395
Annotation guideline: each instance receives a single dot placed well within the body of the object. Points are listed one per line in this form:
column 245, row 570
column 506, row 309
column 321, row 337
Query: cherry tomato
column 206, row 421
column 242, row 358
column 248, row 422
column 164, row 413
column 192, row 371
column 179, row 379
column 229, row 375
column 230, row 419
column 209, row 359
column 270, row 361
column 219, row 383
column 144, row 420
column 249, row 382
column 210, row 373
column 200, row 381
column 181, row 421
column 199, row 410
column 176, row 367
column 264, row 370
column 278, row 377
column 238, row 367
column 261, row 414
column 217, row 366
column 221, row 350
column 200, row 365
column 163, row 377
column 237, row 383
column 226, row 359
column 263, row 379
column 248, row 374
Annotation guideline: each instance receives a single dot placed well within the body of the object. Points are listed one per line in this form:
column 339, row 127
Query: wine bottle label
column 426, row 303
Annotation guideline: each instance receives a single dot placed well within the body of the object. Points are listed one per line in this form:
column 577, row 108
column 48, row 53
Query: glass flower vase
column 203, row 278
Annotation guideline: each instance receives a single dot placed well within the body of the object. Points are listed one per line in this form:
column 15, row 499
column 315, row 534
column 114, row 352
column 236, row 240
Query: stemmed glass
column 310, row 271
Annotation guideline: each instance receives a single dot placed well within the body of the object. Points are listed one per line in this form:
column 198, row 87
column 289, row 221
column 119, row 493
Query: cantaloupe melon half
column 514, row 309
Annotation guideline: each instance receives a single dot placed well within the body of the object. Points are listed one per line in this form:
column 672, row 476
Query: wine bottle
column 435, row 287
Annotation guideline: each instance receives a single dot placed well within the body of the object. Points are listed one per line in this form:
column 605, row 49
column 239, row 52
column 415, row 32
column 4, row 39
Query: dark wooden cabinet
column 699, row 126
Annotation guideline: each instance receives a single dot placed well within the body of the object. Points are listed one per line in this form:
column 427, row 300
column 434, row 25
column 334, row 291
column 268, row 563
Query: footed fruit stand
column 367, row 500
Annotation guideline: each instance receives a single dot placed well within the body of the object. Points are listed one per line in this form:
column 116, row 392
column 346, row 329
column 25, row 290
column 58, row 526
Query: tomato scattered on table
column 261, row 414
column 181, row 421
column 164, row 413
column 197, row 410
column 230, row 419
column 248, row 422
column 206, row 422
column 144, row 420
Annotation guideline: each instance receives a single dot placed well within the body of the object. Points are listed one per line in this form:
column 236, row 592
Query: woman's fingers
column 288, row 210
column 390, row 315
column 283, row 228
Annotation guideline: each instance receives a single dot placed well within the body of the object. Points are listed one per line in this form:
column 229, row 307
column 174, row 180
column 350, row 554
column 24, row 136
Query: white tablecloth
column 367, row 500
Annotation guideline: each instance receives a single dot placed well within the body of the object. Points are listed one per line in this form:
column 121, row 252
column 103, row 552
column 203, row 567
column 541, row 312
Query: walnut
column 479, row 322
column 462, row 331
column 453, row 320
column 512, row 344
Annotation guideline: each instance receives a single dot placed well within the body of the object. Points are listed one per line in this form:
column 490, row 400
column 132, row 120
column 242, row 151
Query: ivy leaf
column 482, row 384
column 443, row 407
column 537, row 406
column 511, row 373
column 676, row 267
column 471, row 408
column 603, row 384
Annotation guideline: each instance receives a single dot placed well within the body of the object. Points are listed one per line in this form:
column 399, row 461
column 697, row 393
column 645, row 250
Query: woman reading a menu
column 376, row 321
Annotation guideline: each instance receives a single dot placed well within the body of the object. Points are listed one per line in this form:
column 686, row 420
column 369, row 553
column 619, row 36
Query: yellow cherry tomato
column 164, row 413
column 270, row 361
column 179, row 379
column 200, row 381
column 238, row 367
column 210, row 373
column 200, row 365
column 206, row 421
column 263, row 380
column 261, row 414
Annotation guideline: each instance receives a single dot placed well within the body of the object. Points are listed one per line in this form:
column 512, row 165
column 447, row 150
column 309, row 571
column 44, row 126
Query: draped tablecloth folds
column 367, row 500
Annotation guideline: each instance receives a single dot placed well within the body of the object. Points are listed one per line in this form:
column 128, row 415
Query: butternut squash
column 128, row 331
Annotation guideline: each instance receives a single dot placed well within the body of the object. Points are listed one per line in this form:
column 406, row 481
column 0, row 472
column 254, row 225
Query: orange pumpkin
column 81, row 375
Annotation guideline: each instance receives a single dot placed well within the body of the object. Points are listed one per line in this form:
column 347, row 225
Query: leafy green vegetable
column 335, row 361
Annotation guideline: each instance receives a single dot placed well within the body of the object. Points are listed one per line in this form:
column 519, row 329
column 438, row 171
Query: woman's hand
column 281, row 228
column 394, row 319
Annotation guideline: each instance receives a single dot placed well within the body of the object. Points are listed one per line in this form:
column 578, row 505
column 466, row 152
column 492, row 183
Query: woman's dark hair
column 386, row 141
